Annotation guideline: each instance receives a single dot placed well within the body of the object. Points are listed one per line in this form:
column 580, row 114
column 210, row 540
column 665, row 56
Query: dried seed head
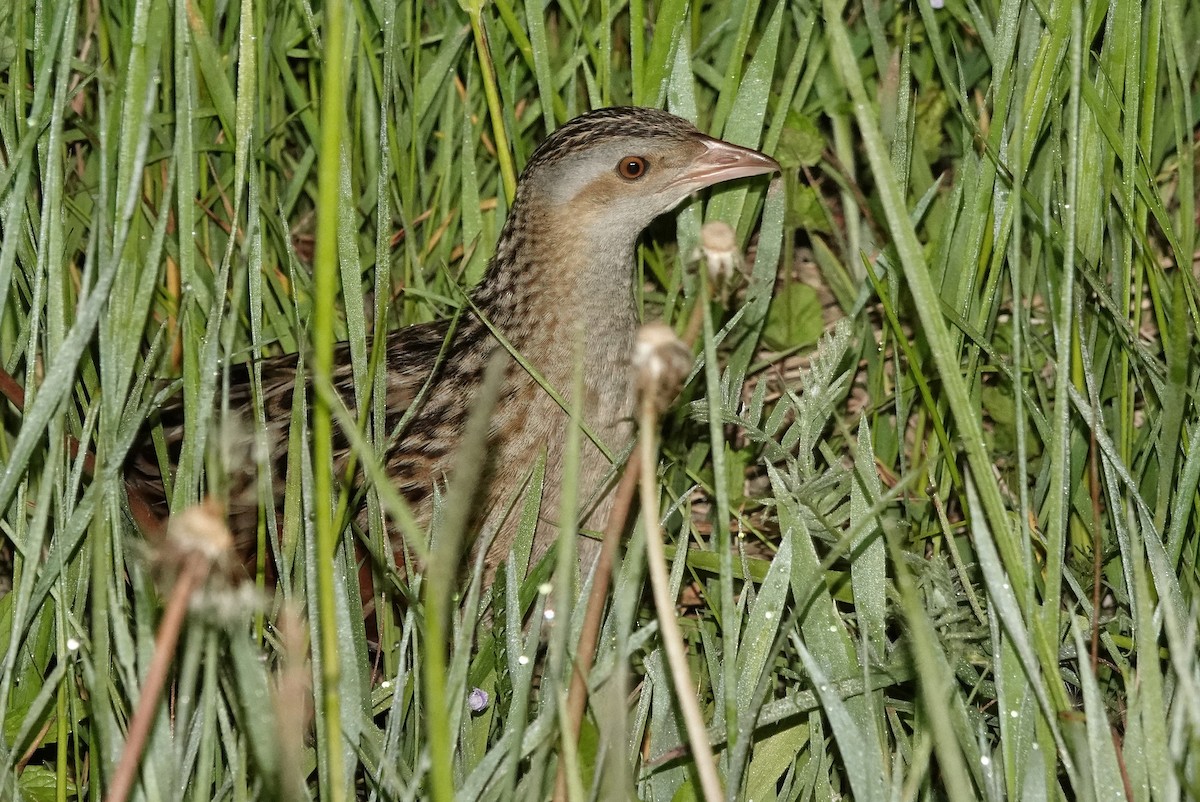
column 201, row 529
column 291, row 699
column 718, row 247
column 198, row 538
column 662, row 362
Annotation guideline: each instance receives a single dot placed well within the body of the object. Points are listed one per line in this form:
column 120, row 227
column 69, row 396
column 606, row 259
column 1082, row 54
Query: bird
column 559, row 288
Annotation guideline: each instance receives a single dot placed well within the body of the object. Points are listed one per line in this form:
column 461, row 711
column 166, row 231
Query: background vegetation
column 952, row 555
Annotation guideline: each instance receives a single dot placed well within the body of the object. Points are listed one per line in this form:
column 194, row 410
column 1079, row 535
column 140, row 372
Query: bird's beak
column 722, row 161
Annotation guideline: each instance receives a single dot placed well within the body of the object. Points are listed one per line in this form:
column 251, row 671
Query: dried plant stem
column 194, row 570
column 695, row 320
column 11, row 390
column 585, row 655
column 291, row 696
column 664, row 604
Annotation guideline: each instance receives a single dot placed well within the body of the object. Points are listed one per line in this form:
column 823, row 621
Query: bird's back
column 411, row 359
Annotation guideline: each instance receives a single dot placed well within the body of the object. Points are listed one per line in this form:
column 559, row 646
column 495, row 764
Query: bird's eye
column 632, row 168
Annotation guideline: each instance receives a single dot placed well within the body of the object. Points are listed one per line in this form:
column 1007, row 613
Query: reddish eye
column 632, row 168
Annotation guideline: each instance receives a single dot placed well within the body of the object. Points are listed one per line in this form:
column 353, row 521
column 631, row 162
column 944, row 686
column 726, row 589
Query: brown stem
column 693, row 327
column 670, row 634
column 195, row 569
column 1126, row 780
column 585, row 655
column 11, row 390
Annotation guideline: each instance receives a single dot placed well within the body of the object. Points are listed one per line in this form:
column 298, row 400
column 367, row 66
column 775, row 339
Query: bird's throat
column 560, row 289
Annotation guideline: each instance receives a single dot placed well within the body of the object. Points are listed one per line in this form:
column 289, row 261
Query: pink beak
column 722, row 161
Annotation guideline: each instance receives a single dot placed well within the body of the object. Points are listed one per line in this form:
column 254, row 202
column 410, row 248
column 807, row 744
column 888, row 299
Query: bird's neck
column 552, row 279
column 559, row 296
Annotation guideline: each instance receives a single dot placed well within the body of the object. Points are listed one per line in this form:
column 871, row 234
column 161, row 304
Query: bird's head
column 610, row 172
column 586, row 195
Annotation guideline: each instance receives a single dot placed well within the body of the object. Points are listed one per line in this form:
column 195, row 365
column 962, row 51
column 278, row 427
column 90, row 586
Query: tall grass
column 949, row 551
